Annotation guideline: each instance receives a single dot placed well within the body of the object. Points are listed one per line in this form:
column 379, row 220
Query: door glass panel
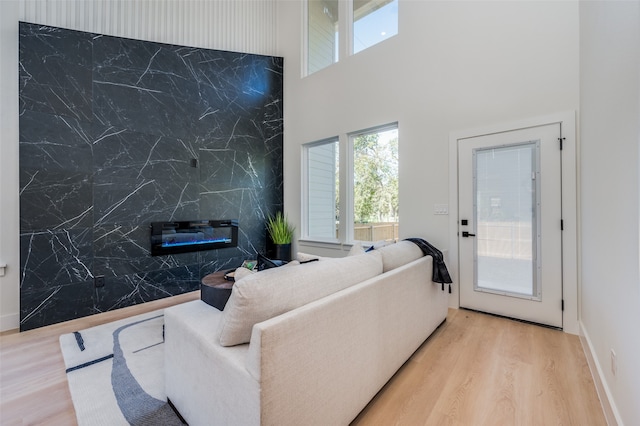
column 505, row 201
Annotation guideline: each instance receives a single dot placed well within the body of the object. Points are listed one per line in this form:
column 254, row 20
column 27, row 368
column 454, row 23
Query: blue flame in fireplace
column 188, row 243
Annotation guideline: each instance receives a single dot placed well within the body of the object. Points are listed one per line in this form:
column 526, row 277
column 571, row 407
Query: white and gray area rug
column 116, row 373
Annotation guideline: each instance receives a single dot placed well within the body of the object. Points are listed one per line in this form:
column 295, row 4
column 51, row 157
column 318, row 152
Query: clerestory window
column 369, row 22
column 373, row 22
column 322, row 34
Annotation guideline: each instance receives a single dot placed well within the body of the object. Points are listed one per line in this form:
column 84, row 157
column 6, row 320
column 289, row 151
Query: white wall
column 453, row 66
column 237, row 25
column 9, row 212
column 610, row 130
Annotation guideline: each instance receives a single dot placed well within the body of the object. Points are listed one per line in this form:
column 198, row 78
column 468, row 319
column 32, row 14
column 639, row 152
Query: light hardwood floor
column 476, row 369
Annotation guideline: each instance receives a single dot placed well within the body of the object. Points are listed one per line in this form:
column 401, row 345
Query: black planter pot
column 281, row 251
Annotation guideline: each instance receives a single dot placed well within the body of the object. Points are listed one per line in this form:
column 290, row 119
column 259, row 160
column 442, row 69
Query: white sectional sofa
column 302, row 345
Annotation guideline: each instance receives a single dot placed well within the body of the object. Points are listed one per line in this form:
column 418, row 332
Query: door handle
column 465, row 234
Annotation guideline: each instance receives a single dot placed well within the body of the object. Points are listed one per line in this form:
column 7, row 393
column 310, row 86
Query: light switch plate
column 441, row 209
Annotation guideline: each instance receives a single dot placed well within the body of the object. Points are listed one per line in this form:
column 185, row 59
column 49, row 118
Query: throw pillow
column 242, row 272
column 266, row 263
column 272, row 292
column 356, row 249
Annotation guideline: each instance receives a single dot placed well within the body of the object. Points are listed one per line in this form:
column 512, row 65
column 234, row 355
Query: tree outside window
column 375, row 185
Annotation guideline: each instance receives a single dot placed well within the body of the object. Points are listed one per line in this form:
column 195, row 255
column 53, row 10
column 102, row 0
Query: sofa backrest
column 269, row 293
column 398, row 254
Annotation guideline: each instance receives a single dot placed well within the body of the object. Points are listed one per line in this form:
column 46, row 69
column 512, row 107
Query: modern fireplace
column 194, row 235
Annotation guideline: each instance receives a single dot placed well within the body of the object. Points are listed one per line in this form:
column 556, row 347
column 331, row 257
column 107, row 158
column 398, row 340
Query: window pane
column 322, row 171
column 322, row 32
column 375, row 185
column 373, row 22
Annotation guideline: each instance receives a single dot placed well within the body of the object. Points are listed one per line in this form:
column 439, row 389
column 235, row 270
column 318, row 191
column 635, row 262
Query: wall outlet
column 98, row 281
column 614, row 363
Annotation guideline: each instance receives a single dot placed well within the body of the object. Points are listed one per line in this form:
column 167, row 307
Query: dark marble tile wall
column 108, row 131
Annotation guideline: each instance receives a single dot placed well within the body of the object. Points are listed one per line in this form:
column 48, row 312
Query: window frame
column 350, row 231
column 305, row 188
column 346, row 157
column 305, row 38
column 345, row 44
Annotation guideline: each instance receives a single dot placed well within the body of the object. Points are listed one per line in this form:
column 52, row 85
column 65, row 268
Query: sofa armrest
column 208, row 383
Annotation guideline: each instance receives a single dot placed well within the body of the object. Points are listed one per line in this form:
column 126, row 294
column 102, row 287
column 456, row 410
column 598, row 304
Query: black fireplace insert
column 193, row 235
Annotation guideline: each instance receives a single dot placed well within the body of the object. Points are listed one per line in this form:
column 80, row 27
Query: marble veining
column 117, row 133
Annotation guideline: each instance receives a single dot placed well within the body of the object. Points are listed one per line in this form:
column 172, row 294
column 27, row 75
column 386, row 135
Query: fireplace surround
column 116, row 134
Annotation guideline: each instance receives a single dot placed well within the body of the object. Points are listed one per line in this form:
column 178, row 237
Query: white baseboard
column 611, row 413
column 9, row 322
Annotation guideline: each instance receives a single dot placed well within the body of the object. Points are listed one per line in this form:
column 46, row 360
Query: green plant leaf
column 279, row 229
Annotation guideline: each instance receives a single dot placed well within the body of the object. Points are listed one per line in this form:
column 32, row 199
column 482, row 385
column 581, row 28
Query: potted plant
column 280, row 234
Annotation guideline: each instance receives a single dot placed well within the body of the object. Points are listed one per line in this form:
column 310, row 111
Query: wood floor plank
column 475, row 369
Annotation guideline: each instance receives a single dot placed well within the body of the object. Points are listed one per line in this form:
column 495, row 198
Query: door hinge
column 561, row 142
column 562, row 304
column 562, row 224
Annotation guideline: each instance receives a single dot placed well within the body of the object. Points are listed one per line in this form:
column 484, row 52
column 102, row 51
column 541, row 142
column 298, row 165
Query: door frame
column 570, row 194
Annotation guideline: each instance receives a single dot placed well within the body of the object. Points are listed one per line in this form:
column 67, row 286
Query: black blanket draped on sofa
column 440, row 272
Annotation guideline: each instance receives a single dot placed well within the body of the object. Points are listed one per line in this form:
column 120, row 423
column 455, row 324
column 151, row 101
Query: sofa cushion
column 379, row 244
column 307, row 257
column 398, row 254
column 269, row 293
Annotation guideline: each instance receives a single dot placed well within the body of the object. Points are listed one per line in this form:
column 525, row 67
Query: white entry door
column 510, row 216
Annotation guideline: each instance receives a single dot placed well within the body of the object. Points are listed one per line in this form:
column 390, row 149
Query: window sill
column 330, row 248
